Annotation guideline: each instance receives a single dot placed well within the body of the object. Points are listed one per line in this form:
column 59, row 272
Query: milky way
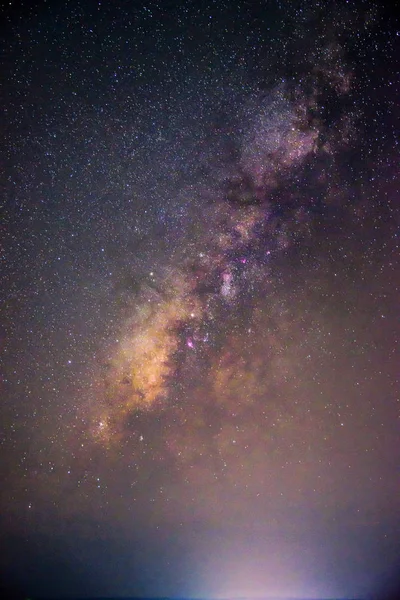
column 183, row 311
column 199, row 325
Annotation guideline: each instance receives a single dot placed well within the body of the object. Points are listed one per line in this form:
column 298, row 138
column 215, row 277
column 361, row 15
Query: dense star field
column 200, row 298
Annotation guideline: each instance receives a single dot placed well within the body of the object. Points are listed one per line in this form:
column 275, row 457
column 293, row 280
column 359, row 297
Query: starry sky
column 199, row 297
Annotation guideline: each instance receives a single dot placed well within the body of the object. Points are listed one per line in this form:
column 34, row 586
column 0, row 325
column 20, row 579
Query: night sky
column 200, row 297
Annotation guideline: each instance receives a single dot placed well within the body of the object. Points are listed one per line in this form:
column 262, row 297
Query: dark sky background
column 200, row 297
